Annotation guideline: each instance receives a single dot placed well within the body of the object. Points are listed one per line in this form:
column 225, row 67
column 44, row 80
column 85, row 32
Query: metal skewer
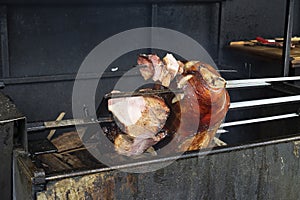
column 235, row 105
column 262, row 102
column 258, row 81
column 40, row 126
column 142, row 93
column 230, row 84
column 256, row 120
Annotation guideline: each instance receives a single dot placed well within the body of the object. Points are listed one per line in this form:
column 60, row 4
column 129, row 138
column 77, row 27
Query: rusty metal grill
column 256, row 153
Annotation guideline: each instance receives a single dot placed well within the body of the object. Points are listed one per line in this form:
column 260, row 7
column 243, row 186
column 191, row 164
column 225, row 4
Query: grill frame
column 32, row 182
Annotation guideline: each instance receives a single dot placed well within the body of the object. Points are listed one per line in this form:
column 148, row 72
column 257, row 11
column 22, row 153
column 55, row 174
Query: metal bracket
column 288, row 31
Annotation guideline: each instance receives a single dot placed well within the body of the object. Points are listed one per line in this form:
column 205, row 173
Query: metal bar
column 288, row 31
column 65, row 123
column 172, row 158
column 97, row 2
column 154, row 23
column 154, row 10
column 71, row 77
column 220, row 31
column 221, row 131
column 142, row 93
column 244, row 85
column 235, row 105
column 262, row 119
column 266, row 80
column 258, row 81
column 227, row 70
column 4, row 42
column 63, row 77
column 261, row 102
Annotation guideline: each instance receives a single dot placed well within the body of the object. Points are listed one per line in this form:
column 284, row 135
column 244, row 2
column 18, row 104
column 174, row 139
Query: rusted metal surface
column 265, row 172
column 9, row 116
column 97, row 186
column 6, row 146
column 28, row 178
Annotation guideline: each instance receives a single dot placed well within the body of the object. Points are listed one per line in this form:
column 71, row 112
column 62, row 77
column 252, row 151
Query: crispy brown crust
column 203, row 103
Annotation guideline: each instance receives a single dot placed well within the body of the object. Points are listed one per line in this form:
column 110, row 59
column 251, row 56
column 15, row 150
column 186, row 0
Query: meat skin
column 193, row 117
column 140, row 118
column 205, row 102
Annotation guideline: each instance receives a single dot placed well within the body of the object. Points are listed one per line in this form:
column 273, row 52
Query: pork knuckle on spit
column 196, row 114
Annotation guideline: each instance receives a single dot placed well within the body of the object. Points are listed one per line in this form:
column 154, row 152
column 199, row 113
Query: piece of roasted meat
column 196, row 113
column 205, row 102
column 141, row 119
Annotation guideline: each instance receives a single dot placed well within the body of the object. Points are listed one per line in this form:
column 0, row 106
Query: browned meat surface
column 205, row 103
column 141, row 118
column 164, row 72
column 196, row 114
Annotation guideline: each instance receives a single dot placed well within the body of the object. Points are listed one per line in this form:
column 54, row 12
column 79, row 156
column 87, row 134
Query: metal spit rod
column 258, row 81
column 235, row 105
column 40, row 126
column 230, row 84
column 262, row 102
column 262, row 119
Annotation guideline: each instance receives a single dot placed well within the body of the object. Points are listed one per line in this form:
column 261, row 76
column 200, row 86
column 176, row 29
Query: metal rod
column 250, row 82
column 227, row 70
column 78, row 122
column 245, row 85
column 258, row 82
column 261, row 102
column 65, row 123
column 172, row 158
column 97, row 2
column 220, row 31
column 262, row 119
column 220, row 131
column 142, row 93
column 288, row 31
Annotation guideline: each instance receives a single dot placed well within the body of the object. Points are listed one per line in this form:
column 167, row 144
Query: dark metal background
column 43, row 44
column 40, row 41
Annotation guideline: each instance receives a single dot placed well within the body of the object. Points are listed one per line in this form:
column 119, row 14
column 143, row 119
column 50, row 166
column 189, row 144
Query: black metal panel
column 42, row 101
column 251, row 66
column 55, row 39
column 296, row 27
column 246, row 19
column 196, row 20
column 83, row 2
